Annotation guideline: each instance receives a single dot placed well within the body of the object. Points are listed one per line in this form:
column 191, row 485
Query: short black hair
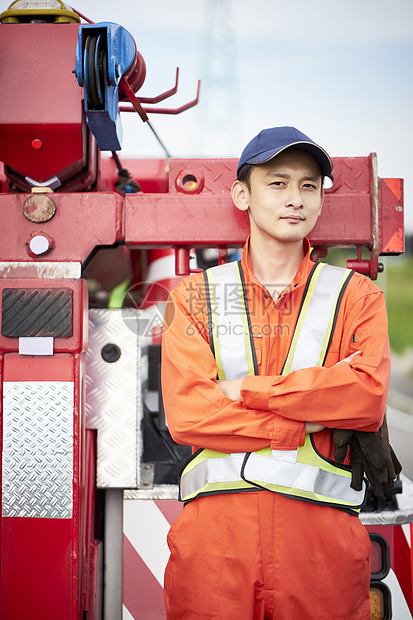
column 244, row 174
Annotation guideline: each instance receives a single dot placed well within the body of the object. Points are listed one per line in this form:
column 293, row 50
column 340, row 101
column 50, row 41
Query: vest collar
column 300, row 277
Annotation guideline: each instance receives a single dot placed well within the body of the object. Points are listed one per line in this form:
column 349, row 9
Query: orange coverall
column 258, row 554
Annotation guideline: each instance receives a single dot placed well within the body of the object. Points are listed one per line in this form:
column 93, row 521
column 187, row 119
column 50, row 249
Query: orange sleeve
column 339, row 395
column 197, row 412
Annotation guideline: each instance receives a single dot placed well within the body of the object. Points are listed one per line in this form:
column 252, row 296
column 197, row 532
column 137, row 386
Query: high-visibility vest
column 304, row 473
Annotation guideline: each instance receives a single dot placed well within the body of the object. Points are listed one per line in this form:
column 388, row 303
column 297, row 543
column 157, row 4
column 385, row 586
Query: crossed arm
column 231, row 388
column 251, row 413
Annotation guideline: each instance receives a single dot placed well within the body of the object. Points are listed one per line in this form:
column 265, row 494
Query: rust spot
column 39, row 208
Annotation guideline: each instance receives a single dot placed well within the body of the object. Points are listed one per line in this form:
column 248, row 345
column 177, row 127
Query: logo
column 143, row 310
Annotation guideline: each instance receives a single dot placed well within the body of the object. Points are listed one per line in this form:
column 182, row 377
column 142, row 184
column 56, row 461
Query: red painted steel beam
column 82, row 222
column 198, row 209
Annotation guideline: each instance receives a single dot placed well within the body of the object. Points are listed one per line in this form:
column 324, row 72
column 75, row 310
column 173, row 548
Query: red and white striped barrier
column 145, row 555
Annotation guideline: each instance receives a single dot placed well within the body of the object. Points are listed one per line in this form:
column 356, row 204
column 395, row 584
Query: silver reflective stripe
column 212, row 471
column 302, row 477
column 318, row 317
column 228, row 320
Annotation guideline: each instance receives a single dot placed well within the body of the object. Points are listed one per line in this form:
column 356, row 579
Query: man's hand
column 349, row 358
column 231, row 388
column 312, row 427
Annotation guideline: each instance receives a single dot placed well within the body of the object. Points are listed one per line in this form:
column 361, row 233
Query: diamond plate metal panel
column 113, row 397
column 38, row 449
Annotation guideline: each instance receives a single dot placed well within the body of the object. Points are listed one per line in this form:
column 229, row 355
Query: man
column 270, row 527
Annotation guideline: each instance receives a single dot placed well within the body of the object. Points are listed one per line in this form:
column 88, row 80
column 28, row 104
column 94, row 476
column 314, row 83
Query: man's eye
column 310, row 186
column 277, row 183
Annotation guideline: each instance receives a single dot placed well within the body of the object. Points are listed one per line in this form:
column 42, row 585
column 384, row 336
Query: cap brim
column 317, row 152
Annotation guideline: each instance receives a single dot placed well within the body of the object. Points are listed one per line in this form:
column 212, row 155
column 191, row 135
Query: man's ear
column 240, row 195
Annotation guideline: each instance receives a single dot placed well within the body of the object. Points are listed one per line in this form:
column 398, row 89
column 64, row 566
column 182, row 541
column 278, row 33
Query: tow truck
column 90, row 248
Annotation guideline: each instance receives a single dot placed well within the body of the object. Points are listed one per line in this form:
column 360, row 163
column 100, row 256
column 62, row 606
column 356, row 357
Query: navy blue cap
column 271, row 142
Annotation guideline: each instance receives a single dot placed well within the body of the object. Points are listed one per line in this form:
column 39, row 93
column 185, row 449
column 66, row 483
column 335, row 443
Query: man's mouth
column 295, row 218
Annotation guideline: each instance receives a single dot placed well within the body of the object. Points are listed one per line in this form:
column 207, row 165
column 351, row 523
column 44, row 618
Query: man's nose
column 294, row 198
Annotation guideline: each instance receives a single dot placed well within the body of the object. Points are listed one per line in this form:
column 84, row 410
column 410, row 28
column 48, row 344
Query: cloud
column 318, row 22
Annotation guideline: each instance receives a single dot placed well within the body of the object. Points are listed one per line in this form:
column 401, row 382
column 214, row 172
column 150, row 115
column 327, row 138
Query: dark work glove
column 370, row 453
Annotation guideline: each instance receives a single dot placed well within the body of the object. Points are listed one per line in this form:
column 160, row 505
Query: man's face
column 285, row 197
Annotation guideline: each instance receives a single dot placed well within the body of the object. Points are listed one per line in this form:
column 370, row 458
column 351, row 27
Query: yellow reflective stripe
column 247, row 336
column 209, row 471
column 331, row 322
column 217, row 487
column 300, row 321
column 203, row 456
column 308, row 456
column 264, row 451
column 214, row 326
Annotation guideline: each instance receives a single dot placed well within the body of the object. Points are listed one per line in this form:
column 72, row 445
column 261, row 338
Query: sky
column 340, row 71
